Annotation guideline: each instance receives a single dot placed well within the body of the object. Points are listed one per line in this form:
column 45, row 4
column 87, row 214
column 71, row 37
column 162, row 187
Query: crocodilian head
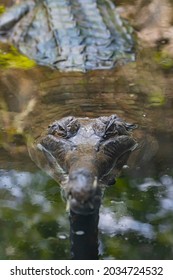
column 84, row 154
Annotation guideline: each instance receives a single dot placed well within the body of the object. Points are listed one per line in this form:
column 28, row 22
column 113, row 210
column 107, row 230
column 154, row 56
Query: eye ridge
column 56, row 130
column 66, row 128
column 107, row 127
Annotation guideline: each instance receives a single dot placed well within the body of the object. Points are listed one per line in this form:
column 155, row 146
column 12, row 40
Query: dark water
column 136, row 216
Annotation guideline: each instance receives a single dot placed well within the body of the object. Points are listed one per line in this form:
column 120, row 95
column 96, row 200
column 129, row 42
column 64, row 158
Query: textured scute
column 74, row 35
column 88, row 144
column 83, row 155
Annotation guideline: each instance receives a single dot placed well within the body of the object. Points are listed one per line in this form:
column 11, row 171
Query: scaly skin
column 82, row 155
column 71, row 35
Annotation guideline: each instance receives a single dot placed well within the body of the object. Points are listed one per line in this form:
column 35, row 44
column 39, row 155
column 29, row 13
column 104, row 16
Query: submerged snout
column 84, row 194
column 83, row 155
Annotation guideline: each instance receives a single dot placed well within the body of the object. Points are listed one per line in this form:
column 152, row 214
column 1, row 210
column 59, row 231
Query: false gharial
column 83, row 155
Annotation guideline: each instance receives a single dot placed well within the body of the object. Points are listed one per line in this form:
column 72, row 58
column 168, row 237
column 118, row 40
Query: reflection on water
column 33, row 224
column 136, row 217
column 144, row 228
column 109, row 224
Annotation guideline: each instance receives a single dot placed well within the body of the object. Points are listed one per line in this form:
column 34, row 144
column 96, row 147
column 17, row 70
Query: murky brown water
column 136, row 218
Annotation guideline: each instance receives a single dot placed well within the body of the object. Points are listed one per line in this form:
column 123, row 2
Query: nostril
column 84, row 194
column 81, row 184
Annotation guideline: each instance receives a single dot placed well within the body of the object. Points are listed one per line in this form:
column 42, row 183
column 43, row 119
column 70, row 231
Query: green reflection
column 135, row 218
column 31, row 216
column 2, row 9
column 13, row 59
column 144, row 229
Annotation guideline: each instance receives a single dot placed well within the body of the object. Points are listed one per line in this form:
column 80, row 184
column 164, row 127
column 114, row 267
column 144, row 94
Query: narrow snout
column 84, row 193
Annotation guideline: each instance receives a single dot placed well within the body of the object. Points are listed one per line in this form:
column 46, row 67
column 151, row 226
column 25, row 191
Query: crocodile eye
column 66, row 127
column 57, row 130
column 105, row 127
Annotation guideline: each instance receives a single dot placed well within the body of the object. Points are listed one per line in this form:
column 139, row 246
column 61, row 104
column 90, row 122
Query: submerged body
column 70, row 35
column 83, row 155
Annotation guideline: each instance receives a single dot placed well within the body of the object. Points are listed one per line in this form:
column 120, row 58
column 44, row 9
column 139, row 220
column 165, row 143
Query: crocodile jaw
column 82, row 192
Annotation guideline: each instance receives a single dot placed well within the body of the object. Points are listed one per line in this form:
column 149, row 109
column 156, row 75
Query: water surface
column 136, row 216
